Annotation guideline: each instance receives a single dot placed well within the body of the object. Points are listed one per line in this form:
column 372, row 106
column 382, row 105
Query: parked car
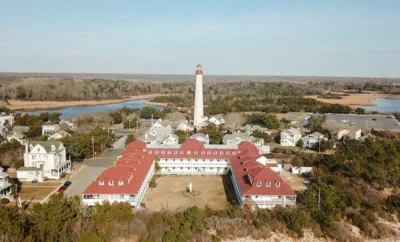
column 67, row 183
column 62, row 189
column 344, row 121
column 374, row 119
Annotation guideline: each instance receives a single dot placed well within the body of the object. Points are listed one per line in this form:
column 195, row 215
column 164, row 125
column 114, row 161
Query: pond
column 384, row 105
column 73, row 112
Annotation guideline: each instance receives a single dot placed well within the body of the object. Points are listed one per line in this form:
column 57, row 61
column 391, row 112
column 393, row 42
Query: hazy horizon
column 229, row 38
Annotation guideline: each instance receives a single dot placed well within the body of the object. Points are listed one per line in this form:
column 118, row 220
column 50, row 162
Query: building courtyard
column 172, row 193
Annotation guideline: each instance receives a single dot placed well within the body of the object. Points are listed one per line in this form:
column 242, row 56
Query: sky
column 303, row 38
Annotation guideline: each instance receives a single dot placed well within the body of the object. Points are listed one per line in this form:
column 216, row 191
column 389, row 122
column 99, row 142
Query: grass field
column 35, row 193
column 171, row 192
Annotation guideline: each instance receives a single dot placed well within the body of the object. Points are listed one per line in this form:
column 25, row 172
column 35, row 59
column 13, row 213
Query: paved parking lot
column 366, row 121
column 93, row 168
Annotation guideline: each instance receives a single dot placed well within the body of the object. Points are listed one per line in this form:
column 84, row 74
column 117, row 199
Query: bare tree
column 234, row 120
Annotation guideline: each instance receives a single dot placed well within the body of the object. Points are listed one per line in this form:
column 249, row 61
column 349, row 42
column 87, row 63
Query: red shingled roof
column 130, row 169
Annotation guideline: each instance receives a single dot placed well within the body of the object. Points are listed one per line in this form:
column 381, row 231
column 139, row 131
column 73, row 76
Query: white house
column 158, row 124
column 311, row 140
column 185, row 126
column 250, row 128
column 237, row 138
column 44, row 159
column 160, row 135
column 6, row 118
column 17, row 137
column 203, row 138
column 59, row 135
column 5, row 185
column 69, row 124
column 50, row 129
column 290, row 137
column 352, row 132
column 216, row 119
column 3, row 131
column 301, row 170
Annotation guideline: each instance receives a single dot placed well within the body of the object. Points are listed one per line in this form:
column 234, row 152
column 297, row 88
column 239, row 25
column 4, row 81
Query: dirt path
column 16, row 104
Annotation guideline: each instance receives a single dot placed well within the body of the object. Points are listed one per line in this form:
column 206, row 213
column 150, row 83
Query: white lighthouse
column 198, row 99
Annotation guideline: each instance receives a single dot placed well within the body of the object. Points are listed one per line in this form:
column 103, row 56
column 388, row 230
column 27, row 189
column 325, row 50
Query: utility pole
column 319, row 197
column 93, row 145
column 137, row 128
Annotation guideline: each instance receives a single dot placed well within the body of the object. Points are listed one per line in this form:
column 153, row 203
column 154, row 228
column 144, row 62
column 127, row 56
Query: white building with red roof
column 254, row 177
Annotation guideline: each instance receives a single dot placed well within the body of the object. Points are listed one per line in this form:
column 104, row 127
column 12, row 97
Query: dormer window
column 150, row 152
column 156, row 152
column 278, row 184
column 258, row 184
column 175, row 152
column 120, row 183
column 162, row 152
column 195, row 152
column 181, row 152
column 215, row 152
column 188, row 152
column 101, row 183
column 53, row 147
column 221, row 152
column 169, row 152
column 268, row 184
column 111, row 183
column 203, row 152
column 208, row 152
column 233, row 152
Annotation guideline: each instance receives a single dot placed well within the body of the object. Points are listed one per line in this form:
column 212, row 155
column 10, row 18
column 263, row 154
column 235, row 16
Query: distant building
column 301, row 170
column 69, row 124
column 237, row 138
column 290, row 137
column 185, row 127
column 6, row 118
column 17, row 137
column 216, row 119
column 311, row 140
column 352, row 132
column 3, row 131
column 250, row 128
column 44, row 159
column 59, row 135
column 50, row 129
column 203, row 138
column 161, row 135
column 5, row 185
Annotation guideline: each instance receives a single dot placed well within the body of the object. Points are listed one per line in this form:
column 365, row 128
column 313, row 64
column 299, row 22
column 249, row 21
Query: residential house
column 301, row 170
column 3, row 131
column 237, row 138
column 50, row 129
column 17, row 137
column 18, row 129
column 250, row 128
column 185, row 127
column 158, row 124
column 5, row 185
column 202, row 138
column 69, row 124
column 367, row 136
column 216, row 119
column 59, row 135
column 311, row 140
column 44, row 159
column 290, row 137
column 160, row 135
column 352, row 132
column 6, row 119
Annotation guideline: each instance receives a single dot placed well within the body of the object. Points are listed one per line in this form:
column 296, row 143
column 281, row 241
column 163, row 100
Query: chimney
column 26, row 147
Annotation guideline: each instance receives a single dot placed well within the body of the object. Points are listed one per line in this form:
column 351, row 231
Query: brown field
column 355, row 99
column 15, row 104
column 35, row 193
column 171, row 194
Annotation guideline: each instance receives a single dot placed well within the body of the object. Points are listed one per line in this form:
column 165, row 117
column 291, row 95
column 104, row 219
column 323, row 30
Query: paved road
column 93, row 168
column 365, row 121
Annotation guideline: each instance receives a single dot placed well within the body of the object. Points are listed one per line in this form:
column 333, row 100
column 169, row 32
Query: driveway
column 93, row 168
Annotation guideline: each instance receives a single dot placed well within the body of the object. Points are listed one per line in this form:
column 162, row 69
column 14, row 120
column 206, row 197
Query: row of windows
column 268, row 184
column 98, row 196
column 196, row 168
column 203, row 152
column 204, row 160
column 111, row 183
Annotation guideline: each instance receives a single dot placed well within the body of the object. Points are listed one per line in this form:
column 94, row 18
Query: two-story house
column 50, row 129
column 160, row 135
column 44, row 159
column 5, row 185
column 250, row 128
column 217, row 120
column 202, row 138
column 311, row 140
column 290, row 137
column 185, row 127
column 237, row 138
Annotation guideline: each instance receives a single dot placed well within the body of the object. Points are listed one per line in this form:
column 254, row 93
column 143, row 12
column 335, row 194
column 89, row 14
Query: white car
column 344, row 121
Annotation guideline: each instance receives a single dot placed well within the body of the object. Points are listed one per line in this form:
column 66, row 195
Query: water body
column 384, row 105
column 73, row 112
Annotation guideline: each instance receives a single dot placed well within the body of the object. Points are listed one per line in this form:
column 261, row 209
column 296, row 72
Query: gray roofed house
column 237, row 138
column 250, row 128
column 310, row 140
column 18, row 129
column 159, row 135
column 203, row 138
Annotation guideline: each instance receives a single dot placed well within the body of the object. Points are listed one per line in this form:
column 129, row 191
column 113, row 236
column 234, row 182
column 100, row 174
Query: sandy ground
column 170, row 189
column 15, row 104
column 355, row 99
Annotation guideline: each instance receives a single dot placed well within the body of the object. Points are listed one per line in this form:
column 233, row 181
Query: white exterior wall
column 179, row 166
column 289, row 139
column 198, row 101
column 10, row 120
column 272, row 201
column 133, row 199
